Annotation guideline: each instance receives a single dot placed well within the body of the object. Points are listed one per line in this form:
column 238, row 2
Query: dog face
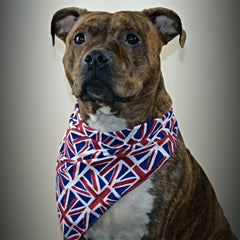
column 114, row 57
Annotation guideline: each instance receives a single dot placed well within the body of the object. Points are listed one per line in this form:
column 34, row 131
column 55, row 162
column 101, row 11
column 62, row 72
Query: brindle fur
column 185, row 205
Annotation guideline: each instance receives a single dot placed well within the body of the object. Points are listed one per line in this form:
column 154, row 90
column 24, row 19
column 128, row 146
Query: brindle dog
column 113, row 66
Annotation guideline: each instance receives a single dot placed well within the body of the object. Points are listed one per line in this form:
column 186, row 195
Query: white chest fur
column 105, row 121
column 127, row 218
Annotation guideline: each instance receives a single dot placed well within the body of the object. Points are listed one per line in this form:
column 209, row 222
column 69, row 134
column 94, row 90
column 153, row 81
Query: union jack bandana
column 95, row 169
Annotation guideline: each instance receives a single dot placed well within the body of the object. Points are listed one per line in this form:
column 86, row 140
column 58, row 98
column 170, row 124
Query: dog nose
column 97, row 58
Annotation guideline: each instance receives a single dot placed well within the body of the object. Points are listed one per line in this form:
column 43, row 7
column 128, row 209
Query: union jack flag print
column 95, row 169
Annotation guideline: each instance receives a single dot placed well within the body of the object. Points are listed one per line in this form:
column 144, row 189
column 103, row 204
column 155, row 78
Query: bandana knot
column 95, row 169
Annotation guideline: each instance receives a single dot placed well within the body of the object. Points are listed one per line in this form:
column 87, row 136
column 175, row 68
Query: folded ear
column 168, row 24
column 63, row 21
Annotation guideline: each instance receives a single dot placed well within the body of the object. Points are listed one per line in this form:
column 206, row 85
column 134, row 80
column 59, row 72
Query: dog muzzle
column 95, row 169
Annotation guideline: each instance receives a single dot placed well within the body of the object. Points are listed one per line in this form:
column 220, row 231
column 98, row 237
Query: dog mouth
column 100, row 90
column 95, row 90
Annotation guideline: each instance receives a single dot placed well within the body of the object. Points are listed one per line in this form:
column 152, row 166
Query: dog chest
column 126, row 219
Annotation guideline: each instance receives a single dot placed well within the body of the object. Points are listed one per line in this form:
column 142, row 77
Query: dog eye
column 132, row 39
column 79, row 38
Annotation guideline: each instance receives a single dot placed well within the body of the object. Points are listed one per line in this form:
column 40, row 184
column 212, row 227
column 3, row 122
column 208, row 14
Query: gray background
column 36, row 102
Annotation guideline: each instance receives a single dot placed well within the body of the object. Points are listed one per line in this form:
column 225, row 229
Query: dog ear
column 63, row 21
column 168, row 24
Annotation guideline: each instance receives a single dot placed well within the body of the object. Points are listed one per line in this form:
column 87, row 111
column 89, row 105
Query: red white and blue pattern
column 95, row 169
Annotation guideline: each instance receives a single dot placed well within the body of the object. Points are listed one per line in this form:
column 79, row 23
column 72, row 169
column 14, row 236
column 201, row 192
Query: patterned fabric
column 95, row 169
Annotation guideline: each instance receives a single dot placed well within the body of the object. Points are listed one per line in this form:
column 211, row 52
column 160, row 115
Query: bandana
column 95, row 169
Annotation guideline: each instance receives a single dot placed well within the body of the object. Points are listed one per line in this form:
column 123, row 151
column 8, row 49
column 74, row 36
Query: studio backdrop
column 36, row 101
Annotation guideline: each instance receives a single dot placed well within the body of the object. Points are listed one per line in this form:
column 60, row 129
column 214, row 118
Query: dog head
column 112, row 57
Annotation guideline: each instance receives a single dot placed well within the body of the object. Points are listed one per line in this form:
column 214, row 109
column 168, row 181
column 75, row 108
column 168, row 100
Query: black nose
column 97, row 58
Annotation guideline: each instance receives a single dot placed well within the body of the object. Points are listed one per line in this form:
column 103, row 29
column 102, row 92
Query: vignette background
column 36, row 102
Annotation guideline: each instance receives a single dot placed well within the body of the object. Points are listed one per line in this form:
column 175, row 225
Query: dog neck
column 105, row 121
column 113, row 116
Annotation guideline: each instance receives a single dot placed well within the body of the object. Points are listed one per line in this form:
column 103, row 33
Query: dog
column 113, row 66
